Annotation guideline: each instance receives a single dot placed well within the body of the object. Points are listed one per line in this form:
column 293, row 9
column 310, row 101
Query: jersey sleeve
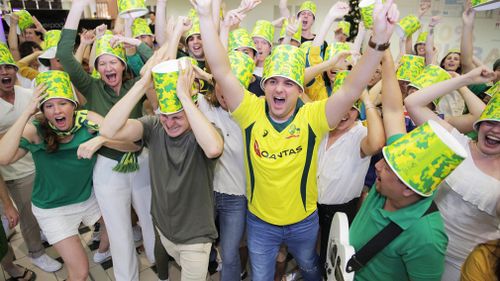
column 316, row 114
column 245, row 113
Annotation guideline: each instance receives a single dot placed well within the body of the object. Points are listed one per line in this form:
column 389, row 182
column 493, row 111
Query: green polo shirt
column 417, row 254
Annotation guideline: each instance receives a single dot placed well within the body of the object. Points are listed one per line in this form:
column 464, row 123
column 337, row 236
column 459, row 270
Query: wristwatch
column 378, row 47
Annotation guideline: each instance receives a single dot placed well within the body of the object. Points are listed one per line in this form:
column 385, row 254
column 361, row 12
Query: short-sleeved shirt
column 416, row 254
column 61, row 178
column 281, row 165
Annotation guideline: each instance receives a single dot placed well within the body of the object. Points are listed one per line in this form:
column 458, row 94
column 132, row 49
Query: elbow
column 106, row 132
column 215, row 150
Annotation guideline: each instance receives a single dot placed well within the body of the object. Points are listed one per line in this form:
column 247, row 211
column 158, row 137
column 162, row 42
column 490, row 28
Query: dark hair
column 26, row 48
column 38, row 33
column 497, row 266
column 496, row 65
column 415, row 47
column 48, row 135
column 459, row 69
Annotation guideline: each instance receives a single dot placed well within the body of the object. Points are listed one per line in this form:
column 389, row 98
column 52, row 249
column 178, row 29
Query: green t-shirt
column 416, row 254
column 61, row 178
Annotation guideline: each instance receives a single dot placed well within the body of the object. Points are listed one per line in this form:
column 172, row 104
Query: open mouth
column 279, row 101
column 111, row 77
column 491, row 140
column 60, row 121
column 6, row 80
column 304, row 23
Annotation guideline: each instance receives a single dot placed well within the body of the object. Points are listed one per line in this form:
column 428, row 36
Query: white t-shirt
column 341, row 170
column 467, row 201
column 229, row 174
column 451, row 104
column 8, row 116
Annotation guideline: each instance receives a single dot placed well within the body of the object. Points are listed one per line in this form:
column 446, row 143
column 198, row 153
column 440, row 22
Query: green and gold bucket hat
column 49, row 45
column 491, row 112
column 339, row 80
column 6, row 57
column 140, row 27
column 25, row 20
column 407, row 26
column 239, row 38
column 58, row 86
column 307, row 6
column 336, row 48
column 103, row 47
column 345, row 26
column 165, row 77
column 485, row 5
column 423, row 158
column 285, row 61
column 132, row 8
column 410, row 67
column 242, row 67
column 422, row 37
column 264, row 29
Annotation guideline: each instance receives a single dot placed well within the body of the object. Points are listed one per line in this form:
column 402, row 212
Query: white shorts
column 63, row 222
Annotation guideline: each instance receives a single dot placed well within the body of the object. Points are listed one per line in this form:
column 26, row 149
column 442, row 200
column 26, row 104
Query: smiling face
column 281, row 97
column 111, row 69
column 263, row 49
column 175, row 124
column 451, row 62
column 195, row 47
column 59, row 112
column 488, row 140
column 7, row 78
column 307, row 20
column 147, row 39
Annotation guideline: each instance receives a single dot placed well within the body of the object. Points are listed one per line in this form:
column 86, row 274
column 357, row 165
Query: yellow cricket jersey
column 281, row 166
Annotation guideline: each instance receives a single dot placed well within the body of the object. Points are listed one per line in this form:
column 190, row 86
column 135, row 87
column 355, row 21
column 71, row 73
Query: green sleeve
column 80, row 79
column 145, row 52
column 135, row 63
column 426, row 262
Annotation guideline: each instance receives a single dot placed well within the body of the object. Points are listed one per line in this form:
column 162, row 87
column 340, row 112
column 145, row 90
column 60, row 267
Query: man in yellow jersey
column 281, row 136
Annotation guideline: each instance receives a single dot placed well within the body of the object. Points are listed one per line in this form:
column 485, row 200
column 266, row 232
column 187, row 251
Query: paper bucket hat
column 339, row 80
column 345, row 26
column 195, row 27
column 25, row 20
column 422, row 37
column 424, row 157
column 491, row 112
column 58, row 86
column 494, row 90
column 51, row 39
column 430, row 75
column 366, row 12
column 410, row 67
column 307, row 6
column 165, row 77
column 335, row 48
column 104, row 48
column 239, row 38
column 296, row 36
column 140, row 27
column 306, row 45
column 133, row 8
column 485, row 5
column 6, row 56
column 285, row 61
column 265, row 30
column 407, row 26
column 242, row 67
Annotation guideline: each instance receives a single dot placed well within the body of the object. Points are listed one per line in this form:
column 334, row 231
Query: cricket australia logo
column 294, row 132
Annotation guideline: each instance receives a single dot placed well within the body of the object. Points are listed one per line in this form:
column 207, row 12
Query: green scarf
column 128, row 163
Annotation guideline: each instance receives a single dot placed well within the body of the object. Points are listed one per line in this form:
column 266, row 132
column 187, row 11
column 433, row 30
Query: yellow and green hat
column 58, row 86
column 140, row 27
column 345, row 26
column 493, row 90
column 285, row 61
column 430, row 75
column 6, row 57
column 306, row 45
column 265, row 30
column 410, row 67
column 366, row 12
column 239, row 38
column 407, row 26
column 339, row 80
column 49, row 45
column 423, row 158
column 296, row 36
column 242, row 67
column 422, row 37
column 132, row 8
column 103, row 47
column 25, row 20
column 165, row 77
column 195, row 27
column 307, row 6
column 485, row 5
column 490, row 113
column 335, row 48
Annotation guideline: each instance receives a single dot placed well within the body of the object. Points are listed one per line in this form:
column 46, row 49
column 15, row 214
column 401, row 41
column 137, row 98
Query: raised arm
column 216, row 56
column 316, row 69
column 161, row 21
column 12, row 37
column 392, row 99
column 430, row 52
column 284, row 12
column 336, row 12
column 466, row 45
column 416, row 103
column 360, row 37
column 87, row 38
column 375, row 139
column 385, row 17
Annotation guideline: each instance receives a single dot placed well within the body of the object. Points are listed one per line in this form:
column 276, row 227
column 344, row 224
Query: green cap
column 58, row 86
column 423, row 158
column 285, row 61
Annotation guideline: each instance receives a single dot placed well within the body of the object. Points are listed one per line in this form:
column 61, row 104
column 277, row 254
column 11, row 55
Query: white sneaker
column 102, row 257
column 137, row 233
column 46, row 263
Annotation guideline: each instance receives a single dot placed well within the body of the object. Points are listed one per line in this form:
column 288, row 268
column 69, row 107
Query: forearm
column 10, row 141
column 79, row 52
column 216, row 13
column 205, row 133
column 427, row 95
column 466, row 48
column 375, row 138
column 75, row 13
column 119, row 113
column 28, row 59
column 284, row 12
column 320, row 36
column 473, row 103
column 359, row 40
column 429, row 46
column 409, row 45
column 13, row 42
column 4, row 194
column 122, row 146
column 161, row 22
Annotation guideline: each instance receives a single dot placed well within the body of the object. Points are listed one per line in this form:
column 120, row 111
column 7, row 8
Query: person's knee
column 78, row 274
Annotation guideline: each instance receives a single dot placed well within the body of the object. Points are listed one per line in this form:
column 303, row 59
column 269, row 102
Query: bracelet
column 370, row 107
column 378, row 47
